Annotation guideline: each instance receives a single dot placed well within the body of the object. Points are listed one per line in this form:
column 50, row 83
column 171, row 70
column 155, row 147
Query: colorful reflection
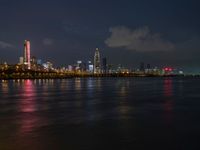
column 27, row 107
column 4, row 87
column 29, row 118
column 28, row 103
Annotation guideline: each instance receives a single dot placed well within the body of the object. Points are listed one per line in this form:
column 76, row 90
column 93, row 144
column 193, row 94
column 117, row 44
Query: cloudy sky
column 162, row 33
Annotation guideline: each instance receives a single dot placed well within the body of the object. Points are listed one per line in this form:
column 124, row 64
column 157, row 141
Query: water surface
column 100, row 113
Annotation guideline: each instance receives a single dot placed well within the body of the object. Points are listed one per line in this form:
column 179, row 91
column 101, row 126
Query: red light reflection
column 28, row 103
column 168, row 104
column 29, row 118
column 27, row 106
column 168, row 92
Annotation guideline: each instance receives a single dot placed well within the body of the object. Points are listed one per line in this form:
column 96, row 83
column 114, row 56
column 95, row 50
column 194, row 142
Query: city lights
column 31, row 67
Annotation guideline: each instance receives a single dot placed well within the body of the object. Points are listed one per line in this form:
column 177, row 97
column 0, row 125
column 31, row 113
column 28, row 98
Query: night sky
column 159, row 32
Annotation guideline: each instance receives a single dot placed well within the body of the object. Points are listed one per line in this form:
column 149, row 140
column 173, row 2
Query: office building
column 27, row 55
column 142, row 68
column 33, row 60
column 21, row 60
column 48, row 66
column 97, row 67
column 90, row 67
column 39, row 61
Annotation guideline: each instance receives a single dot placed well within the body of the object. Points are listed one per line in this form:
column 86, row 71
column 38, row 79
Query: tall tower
column 97, row 68
column 27, row 57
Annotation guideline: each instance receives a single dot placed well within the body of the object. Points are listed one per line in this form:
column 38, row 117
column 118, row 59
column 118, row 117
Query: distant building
column 83, row 66
column 97, row 67
column 104, row 65
column 142, row 68
column 79, row 62
column 27, row 54
column 48, row 65
column 39, row 62
column 148, row 69
column 89, row 67
column 148, row 66
column 110, row 68
column 33, row 60
column 34, row 65
column 21, row 60
column 78, row 65
column 70, row 68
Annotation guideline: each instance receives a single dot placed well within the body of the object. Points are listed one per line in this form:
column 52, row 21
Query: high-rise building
column 148, row 66
column 81, row 66
column 97, row 67
column 27, row 55
column 78, row 65
column 90, row 66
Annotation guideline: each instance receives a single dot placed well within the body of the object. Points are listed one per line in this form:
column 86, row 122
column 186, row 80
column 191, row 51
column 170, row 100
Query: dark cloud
column 48, row 41
column 5, row 45
column 141, row 39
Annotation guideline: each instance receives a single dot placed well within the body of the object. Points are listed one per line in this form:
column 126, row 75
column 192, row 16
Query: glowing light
column 168, row 69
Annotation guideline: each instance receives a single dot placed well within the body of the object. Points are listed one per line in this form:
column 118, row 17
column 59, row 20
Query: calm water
column 100, row 113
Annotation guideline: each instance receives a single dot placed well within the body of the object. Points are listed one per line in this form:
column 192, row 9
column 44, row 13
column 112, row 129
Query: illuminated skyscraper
column 27, row 57
column 97, row 68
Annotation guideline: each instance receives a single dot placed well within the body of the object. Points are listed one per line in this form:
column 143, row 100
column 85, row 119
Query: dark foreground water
column 100, row 113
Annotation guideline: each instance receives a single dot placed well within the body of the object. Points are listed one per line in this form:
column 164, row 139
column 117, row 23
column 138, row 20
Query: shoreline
column 68, row 76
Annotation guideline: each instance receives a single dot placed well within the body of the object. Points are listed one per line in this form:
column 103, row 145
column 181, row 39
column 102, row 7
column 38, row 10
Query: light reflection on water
column 4, row 86
column 168, row 94
column 27, row 99
column 35, row 112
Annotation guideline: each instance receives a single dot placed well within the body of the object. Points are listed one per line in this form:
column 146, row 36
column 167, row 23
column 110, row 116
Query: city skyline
column 169, row 31
column 99, row 65
column 30, row 66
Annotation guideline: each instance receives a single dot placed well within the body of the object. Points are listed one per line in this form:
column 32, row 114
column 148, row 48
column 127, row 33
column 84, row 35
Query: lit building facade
column 90, row 67
column 27, row 54
column 97, row 67
column 21, row 60
column 48, row 66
